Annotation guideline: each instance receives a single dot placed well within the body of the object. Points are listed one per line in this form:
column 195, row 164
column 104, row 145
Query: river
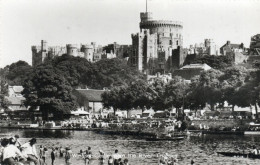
column 202, row 149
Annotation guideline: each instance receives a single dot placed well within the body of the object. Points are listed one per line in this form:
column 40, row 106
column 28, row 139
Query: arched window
column 177, row 43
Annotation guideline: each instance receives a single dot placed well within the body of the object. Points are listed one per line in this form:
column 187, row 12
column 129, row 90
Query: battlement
column 87, row 46
column 72, row 46
column 160, row 23
column 37, row 48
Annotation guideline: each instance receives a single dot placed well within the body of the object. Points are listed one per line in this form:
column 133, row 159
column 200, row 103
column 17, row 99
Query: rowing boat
column 237, row 154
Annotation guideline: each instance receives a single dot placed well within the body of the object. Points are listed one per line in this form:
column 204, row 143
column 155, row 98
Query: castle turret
column 88, row 51
column 44, row 47
column 72, row 49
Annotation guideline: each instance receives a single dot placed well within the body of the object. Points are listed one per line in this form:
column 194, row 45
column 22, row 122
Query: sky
column 24, row 23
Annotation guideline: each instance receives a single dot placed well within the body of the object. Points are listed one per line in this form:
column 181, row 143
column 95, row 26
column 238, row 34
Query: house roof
column 15, row 100
column 196, row 66
column 92, row 95
column 17, row 89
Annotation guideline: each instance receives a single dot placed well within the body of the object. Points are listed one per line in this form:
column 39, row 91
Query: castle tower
column 156, row 38
column 44, row 47
column 72, row 50
column 88, row 51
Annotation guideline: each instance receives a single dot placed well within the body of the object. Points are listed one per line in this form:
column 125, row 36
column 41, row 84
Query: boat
column 165, row 138
column 253, row 129
column 237, row 154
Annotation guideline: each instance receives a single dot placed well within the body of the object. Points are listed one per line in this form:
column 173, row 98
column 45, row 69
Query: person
column 110, row 160
column 68, row 154
column 101, row 157
column 255, row 151
column 41, row 151
column 126, row 162
column 17, row 142
column 116, row 157
column 10, row 152
column 61, row 151
column 44, row 154
column 81, row 153
column 29, row 150
column 52, row 156
column 88, row 155
column 4, row 143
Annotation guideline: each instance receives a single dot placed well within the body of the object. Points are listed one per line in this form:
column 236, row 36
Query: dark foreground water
column 202, row 149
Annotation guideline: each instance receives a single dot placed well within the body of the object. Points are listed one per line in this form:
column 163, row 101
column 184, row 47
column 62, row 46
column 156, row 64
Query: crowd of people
column 12, row 152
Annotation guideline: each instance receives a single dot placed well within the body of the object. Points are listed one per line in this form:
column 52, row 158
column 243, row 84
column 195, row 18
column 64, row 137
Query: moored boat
column 165, row 138
column 237, row 154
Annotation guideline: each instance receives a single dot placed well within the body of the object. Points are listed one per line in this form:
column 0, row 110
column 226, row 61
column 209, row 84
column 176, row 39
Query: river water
column 201, row 148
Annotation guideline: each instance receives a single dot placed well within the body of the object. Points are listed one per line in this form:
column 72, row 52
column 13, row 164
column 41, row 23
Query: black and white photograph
column 129, row 82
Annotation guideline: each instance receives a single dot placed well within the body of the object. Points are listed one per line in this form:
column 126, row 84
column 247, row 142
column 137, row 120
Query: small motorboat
column 237, row 154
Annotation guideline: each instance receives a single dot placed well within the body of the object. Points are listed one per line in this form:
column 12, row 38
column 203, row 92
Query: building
column 229, row 49
column 207, row 48
column 189, row 71
column 164, row 77
column 43, row 53
column 90, row 101
column 152, row 47
column 91, row 52
column 255, row 45
column 16, row 108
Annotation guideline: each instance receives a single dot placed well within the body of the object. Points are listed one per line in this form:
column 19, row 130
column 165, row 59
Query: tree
column 157, row 94
column 127, row 97
column 17, row 72
column 216, row 62
column 114, row 72
column 232, row 80
column 114, row 98
column 49, row 90
column 175, row 93
column 4, row 102
column 195, row 101
column 209, row 87
column 78, row 71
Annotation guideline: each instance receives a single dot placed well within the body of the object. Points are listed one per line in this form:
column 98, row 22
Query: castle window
column 170, row 42
column 177, row 43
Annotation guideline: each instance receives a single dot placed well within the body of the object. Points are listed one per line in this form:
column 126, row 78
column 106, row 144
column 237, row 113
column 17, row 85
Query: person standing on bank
column 29, row 150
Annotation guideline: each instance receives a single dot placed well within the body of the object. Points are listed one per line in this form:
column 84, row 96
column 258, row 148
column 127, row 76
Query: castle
column 91, row 52
column 152, row 47
column 158, row 47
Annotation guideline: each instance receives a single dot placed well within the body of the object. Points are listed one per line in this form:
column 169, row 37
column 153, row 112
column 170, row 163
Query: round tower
column 169, row 32
column 72, row 49
column 88, row 51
